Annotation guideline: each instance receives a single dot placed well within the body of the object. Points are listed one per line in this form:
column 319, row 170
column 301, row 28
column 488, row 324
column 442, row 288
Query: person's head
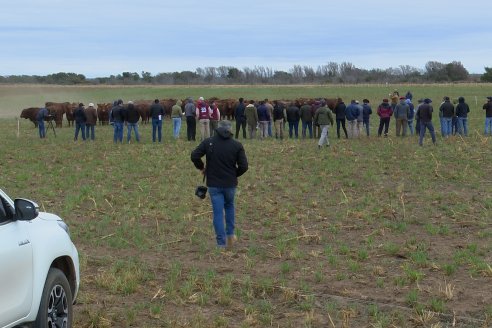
column 120, row 102
column 427, row 100
column 402, row 99
column 385, row 100
column 190, row 100
column 91, row 105
column 251, row 102
column 81, row 105
column 201, row 99
column 179, row 103
column 352, row 101
column 156, row 101
column 339, row 100
column 241, row 99
column 365, row 101
column 446, row 98
column 225, row 124
column 323, row 102
column 266, row 100
column 489, row 99
column 461, row 99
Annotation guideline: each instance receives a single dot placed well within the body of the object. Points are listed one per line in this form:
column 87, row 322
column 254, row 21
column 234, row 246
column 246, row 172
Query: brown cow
column 168, row 105
column 103, row 113
column 58, row 109
column 30, row 113
column 143, row 108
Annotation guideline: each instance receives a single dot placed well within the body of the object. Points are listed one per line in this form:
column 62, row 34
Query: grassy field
column 374, row 232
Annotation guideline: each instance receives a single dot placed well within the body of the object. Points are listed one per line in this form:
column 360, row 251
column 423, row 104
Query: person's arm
column 242, row 162
column 197, row 154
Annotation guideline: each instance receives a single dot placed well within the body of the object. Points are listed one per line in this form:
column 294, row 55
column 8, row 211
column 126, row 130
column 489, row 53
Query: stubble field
column 373, row 232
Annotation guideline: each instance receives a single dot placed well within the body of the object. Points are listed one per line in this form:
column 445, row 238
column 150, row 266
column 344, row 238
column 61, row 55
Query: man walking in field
column 323, row 119
column 225, row 162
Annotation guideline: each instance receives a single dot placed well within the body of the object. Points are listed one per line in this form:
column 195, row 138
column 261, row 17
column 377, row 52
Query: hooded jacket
column 176, row 110
column 132, row 114
column 402, row 109
column 225, row 159
column 385, row 110
column 352, row 112
column 323, row 116
column 340, row 111
column 251, row 115
column 462, row 108
column 447, row 109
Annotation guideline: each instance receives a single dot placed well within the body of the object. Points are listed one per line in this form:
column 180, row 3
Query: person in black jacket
column 339, row 112
column 240, row 118
column 132, row 117
column 80, row 118
column 225, row 162
column 462, row 110
column 157, row 114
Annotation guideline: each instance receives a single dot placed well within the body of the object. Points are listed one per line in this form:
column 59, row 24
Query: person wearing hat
column 447, row 112
column 462, row 110
column 90, row 123
column 487, row 107
column 401, row 112
column 424, row 113
column 323, row 119
column 80, row 119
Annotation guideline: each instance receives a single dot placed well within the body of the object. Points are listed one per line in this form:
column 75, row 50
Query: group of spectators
column 271, row 119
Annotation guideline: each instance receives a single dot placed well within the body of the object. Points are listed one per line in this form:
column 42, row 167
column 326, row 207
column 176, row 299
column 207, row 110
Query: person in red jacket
column 384, row 112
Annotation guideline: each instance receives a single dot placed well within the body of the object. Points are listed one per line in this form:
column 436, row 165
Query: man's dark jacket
column 155, row 110
column 226, row 159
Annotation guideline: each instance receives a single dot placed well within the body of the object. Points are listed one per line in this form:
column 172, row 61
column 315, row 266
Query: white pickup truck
column 39, row 267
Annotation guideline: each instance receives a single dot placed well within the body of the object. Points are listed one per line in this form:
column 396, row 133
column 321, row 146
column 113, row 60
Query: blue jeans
column 309, row 126
column 270, row 129
column 423, row 126
column 90, row 128
column 447, row 121
column 176, row 126
column 42, row 130
column 156, row 127
column 79, row 127
column 410, row 126
column 488, row 126
column 118, row 132
column 295, row 126
column 463, row 125
column 223, row 202
column 129, row 128
column 366, row 124
column 441, row 121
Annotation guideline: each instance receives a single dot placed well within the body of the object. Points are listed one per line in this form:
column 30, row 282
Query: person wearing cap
column 384, row 112
column 90, row 123
column 424, row 113
column 190, row 113
column 251, row 115
column 225, row 162
column 351, row 114
column 447, row 112
column 80, row 119
column 462, row 110
column 131, row 117
column 487, row 107
column 401, row 113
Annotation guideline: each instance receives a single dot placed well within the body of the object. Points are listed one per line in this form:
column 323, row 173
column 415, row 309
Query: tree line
column 330, row 73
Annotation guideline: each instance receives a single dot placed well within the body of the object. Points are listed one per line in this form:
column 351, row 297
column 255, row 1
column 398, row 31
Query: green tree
column 487, row 76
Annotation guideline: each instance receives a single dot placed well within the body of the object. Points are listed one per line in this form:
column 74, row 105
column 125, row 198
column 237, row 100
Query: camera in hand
column 50, row 117
column 201, row 192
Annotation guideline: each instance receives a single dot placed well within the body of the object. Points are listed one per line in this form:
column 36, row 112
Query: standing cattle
column 30, row 114
column 58, row 109
column 143, row 109
column 103, row 113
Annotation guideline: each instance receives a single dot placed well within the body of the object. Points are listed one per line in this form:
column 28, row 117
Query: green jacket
column 176, row 110
column 323, row 116
column 251, row 115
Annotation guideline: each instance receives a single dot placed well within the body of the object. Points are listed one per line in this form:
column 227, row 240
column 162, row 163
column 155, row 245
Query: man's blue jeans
column 307, row 125
column 488, row 126
column 79, row 127
column 129, row 128
column 176, row 127
column 223, row 202
column 423, row 126
column 90, row 131
column 447, row 121
column 410, row 126
column 294, row 126
column 118, row 132
column 156, row 127
column 42, row 130
column 463, row 126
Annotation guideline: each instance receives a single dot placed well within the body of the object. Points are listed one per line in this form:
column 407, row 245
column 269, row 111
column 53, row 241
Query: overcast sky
column 104, row 37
